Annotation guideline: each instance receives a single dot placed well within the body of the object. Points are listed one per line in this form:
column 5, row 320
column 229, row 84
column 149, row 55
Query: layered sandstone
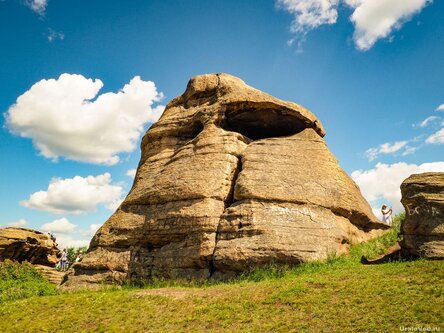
column 230, row 178
column 20, row 244
column 423, row 228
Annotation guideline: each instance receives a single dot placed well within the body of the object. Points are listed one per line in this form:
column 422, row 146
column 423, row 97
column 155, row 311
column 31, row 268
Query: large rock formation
column 230, row 178
column 22, row 244
column 423, row 228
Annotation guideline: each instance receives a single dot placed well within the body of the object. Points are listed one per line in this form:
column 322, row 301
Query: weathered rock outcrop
column 22, row 244
column 423, row 228
column 230, row 178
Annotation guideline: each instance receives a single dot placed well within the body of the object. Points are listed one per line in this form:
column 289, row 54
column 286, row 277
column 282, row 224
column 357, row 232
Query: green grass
column 340, row 295
column 22, row 281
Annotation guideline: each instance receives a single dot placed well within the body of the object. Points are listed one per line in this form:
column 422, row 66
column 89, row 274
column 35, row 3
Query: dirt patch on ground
column 177, row 293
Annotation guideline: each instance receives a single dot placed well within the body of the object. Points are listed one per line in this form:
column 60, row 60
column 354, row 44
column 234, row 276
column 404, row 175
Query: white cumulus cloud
column 92, row 229
column 65, row 241
column 385, row 148
column 383, row 182
column 377, row 19
column 373, row 19
column 64, row 231
column 131, row 173
column 440, row 108
column 310, row 14
column 66, row 117
column 38, row 6
column 60, row 226
column 76, row 195
column 19, row 223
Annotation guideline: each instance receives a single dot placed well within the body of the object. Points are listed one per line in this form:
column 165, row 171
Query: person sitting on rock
column 386, row 214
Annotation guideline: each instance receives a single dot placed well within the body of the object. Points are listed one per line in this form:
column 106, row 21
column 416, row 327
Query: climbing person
column 64, row 260
column 386, row 214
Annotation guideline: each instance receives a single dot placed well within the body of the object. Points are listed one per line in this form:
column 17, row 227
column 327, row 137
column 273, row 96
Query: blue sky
column 371, row 70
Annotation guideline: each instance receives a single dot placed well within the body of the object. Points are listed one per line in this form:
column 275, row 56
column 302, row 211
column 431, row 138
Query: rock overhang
column 239, row 108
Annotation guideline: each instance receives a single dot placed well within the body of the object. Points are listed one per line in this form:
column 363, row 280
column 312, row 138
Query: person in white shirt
column 387, row 214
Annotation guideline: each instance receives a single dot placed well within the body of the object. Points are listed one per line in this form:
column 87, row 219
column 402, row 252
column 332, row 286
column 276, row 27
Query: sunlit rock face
column 230, row 178
column 423, row 228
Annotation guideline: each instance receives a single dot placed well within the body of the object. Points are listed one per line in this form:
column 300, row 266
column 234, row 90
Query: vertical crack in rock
column 228, row 202
column 230, row 198
column 211, row 267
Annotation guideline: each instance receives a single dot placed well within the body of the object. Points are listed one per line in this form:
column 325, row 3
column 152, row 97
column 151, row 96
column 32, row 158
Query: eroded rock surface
column 230, row 178
column 423, row 228
column 20, row 244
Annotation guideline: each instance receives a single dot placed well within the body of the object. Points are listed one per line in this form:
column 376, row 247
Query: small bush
column 73, row 252
column 22, row 280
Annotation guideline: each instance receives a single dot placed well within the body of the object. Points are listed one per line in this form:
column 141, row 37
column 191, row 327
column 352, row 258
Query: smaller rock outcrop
column 20, row 244
column 423, row 228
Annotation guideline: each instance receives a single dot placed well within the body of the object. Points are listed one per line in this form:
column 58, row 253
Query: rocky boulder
column 230, row 178
column 423, row 228
column 22, row 244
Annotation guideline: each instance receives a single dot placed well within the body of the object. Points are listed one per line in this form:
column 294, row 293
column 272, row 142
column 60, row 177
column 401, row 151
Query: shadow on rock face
column 262, row 123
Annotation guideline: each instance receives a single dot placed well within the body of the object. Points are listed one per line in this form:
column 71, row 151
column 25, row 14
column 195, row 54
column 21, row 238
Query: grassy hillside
column 341, row 295
column 22, row 281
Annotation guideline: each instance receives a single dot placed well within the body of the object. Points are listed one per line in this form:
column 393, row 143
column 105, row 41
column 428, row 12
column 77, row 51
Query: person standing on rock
column 64, row 260
column 386, row 214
